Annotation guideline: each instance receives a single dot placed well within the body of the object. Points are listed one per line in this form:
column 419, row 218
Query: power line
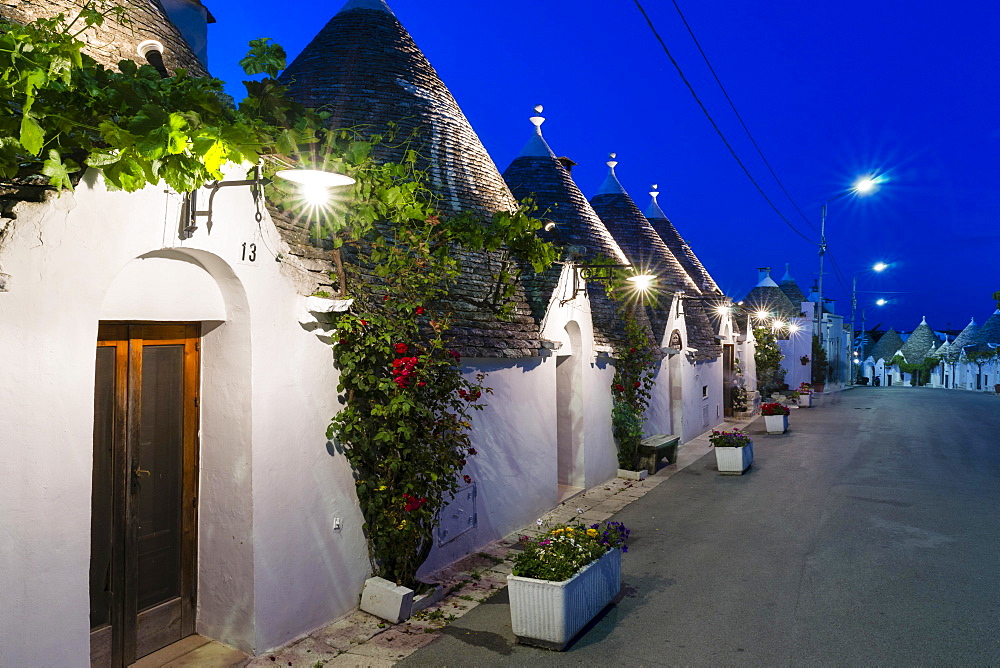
column 716, row 126
column 732, row 105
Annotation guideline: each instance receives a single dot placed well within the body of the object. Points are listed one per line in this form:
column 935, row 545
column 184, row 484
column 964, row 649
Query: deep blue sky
column 905, row 88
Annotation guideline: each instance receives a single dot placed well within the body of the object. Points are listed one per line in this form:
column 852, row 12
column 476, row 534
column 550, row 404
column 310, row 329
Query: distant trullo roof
column 680, row 248
column 646, row 251
column 767, row 296
column 887, row 346
column 538, row 174
column 114, row 40
column 990, row 331
column 920, row 342
column 791, row 289
column 365, row 70
column 967, row 337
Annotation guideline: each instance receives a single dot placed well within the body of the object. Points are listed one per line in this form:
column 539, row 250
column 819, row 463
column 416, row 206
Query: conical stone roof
column 647, row 252
column 364, row 69
column 538, row 174
column 115, row 41
column 990, row 331
column 768, row 296
column 887, row 346
column 792, row 289
column 680, row 248
column 921, row 341
column 967, row 337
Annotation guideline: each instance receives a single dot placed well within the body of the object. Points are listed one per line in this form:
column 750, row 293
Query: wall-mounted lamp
column 152, row 51
column 314, row 183
column 606, row 272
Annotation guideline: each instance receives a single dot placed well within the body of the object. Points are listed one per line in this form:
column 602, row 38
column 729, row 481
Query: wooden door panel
column 145, row 482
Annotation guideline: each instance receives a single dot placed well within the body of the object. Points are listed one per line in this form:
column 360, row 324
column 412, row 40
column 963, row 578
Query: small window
column 704, row 390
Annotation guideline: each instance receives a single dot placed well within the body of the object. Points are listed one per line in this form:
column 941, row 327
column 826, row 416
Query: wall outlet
column 337, row 524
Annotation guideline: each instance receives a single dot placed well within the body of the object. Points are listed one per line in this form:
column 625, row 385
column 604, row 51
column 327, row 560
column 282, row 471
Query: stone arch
column 189, row 285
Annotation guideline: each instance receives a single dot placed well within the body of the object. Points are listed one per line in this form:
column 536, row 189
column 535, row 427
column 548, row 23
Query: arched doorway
column 155, row 405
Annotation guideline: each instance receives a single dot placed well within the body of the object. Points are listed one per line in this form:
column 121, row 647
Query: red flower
column 463, row 462
column 421, row 384
column 385, row 298
column 638, row 384
column 467, row 479
column 631, row 350
column 620, row 388
column 343, row 342
column 420, row 310
column 364, row 323
column 401, row 348
column 458, row 358
column 472, row 451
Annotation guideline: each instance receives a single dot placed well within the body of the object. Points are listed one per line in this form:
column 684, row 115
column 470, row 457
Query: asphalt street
column 869, row 534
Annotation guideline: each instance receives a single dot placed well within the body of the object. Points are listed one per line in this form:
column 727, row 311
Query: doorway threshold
column 194, row 651
column 567, row 492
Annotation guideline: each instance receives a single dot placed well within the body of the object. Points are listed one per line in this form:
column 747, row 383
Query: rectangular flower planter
column 549, row 614
column 734, row 461
column 776, row 424
column 805, row 400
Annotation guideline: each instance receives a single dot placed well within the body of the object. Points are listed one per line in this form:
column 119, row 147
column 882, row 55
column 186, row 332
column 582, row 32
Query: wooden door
column 143, row 526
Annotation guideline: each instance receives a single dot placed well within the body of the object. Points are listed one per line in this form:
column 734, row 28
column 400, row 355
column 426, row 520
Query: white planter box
column 549, row 614
column 805, row 400
column 734, row 461
column 776, row 424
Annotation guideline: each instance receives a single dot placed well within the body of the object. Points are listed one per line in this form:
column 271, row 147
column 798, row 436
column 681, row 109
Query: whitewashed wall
column 270, row 565
column 794, row 348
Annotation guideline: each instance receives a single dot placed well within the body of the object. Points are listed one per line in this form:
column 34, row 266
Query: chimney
column 566, row 163
column 762, row 273
column 192, row 19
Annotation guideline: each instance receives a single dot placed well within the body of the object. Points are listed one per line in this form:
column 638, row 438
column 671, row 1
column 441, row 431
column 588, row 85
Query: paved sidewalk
column 362, row 640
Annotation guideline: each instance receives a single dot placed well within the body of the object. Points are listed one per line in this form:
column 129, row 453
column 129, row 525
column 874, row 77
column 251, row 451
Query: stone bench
column 655, row 448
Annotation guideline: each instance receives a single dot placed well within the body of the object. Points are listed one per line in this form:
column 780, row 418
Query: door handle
column 142, row 472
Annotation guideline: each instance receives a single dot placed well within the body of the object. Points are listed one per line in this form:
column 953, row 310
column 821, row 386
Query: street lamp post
column 878, row 267
column 863, row 186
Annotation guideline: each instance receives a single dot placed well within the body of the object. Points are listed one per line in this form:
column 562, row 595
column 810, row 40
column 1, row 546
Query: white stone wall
column 270, row 566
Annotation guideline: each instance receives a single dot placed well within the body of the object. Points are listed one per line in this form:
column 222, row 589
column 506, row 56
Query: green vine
column 631, row 388
column 405, row 423
column 767, row 358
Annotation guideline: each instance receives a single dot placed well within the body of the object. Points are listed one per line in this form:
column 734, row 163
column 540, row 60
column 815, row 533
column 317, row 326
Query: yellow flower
column 569, row 529
column 401, row 525
column 382, row 488
column 592, row 532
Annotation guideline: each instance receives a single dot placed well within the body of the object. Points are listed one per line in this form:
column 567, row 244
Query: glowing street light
column 881, row 302
column 864, row 185
column 878, row 267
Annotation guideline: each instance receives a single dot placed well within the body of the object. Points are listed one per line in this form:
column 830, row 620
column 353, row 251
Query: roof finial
column 612, row 162
column 538, row 119
column 924, row 321
column 787, row 278
column 654, row 193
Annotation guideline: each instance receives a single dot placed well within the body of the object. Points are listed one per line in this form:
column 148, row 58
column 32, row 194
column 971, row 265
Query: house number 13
column 249, row 252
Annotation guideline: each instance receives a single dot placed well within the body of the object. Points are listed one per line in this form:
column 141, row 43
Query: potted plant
column 805, row 398
column 562, row 579
column 775, row 417
column 733, row 451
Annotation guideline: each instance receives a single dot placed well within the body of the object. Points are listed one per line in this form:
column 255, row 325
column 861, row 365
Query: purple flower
column 545, row 542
